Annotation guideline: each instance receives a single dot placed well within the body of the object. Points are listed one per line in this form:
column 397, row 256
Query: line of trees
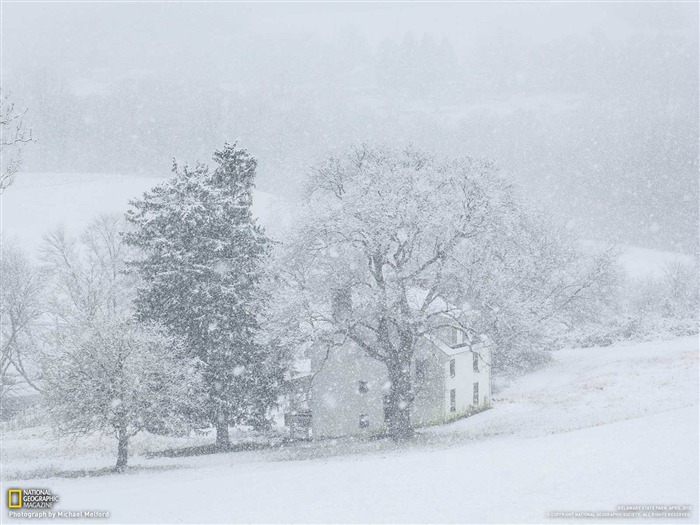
column 152, row 321
column 184, row 314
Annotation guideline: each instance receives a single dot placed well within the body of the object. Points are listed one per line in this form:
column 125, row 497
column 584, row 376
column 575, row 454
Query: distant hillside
column 39, row 202
column 644, row 262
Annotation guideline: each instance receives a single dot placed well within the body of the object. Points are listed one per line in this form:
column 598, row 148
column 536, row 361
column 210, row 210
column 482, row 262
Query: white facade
column 468, row 379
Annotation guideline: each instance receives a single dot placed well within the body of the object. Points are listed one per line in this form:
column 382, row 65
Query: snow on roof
column 302, row 367
column 453, row 350
column 416, row 297
column 445, row 348
column 482, row 341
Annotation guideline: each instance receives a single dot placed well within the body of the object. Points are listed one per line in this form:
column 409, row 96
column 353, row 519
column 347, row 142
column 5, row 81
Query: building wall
column 463, row 382
column 484, row 375
column 336, row 402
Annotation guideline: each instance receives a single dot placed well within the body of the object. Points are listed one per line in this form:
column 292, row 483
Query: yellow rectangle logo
column 14, row 498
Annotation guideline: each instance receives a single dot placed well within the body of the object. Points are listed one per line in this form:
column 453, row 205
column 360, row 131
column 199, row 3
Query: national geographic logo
column 31, row 499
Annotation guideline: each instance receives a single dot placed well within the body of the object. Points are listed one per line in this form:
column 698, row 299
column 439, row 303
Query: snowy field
column 39, row 202
column 598, row 428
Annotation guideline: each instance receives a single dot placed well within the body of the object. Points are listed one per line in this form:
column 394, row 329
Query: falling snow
column 350, row 263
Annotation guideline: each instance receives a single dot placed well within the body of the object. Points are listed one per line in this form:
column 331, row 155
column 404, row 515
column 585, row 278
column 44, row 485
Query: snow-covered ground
column 599, row 428
column 645, row 262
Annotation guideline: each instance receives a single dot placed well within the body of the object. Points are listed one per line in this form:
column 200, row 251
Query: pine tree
column 202, row 267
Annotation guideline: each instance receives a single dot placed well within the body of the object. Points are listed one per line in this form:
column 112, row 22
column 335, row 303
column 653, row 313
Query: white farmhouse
column 345, row 391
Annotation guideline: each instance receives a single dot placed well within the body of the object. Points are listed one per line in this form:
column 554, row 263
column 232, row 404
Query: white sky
column 145, row 35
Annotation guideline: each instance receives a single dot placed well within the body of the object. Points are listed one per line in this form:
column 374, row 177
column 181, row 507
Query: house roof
column 445, row 348
column 300, row 368
column 454, row 350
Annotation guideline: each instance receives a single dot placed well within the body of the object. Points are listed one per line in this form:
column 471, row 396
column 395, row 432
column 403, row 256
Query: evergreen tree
column 202, row 267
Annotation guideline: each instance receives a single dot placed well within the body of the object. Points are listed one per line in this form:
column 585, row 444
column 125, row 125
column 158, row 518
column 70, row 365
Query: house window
column 421, row 370
column 476, row 393
column 453, row 368
column 364, row 421
column 363, row 387
column 453, row 400
column 475, row 361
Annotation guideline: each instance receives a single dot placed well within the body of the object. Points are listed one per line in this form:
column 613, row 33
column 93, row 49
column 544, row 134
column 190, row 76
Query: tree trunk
column 261, row 423
column 222, row 436
column 400, row 400
column 122, row 450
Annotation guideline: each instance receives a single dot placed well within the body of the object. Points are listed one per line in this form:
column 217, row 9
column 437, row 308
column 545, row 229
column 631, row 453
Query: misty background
column 593, row 108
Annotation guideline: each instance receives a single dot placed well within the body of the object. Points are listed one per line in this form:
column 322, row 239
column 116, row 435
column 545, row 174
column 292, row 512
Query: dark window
column 364, row 421
column 421, row 370
column 476, row 393
column 363, row 388
column 453, row 400
column 452, row 368
column 475, row 358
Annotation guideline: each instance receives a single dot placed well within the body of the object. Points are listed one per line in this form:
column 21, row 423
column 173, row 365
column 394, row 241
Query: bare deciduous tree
column 112, row 375
column 381, row 235
column 14, row 135
column 20, row 309
column 87, row 275
column 402, row 245
column 102, row 370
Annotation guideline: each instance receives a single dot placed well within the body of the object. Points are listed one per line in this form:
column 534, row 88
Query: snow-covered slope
column 599, row 428
column 644, row 262
column 640, row 263
column 38, row 202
